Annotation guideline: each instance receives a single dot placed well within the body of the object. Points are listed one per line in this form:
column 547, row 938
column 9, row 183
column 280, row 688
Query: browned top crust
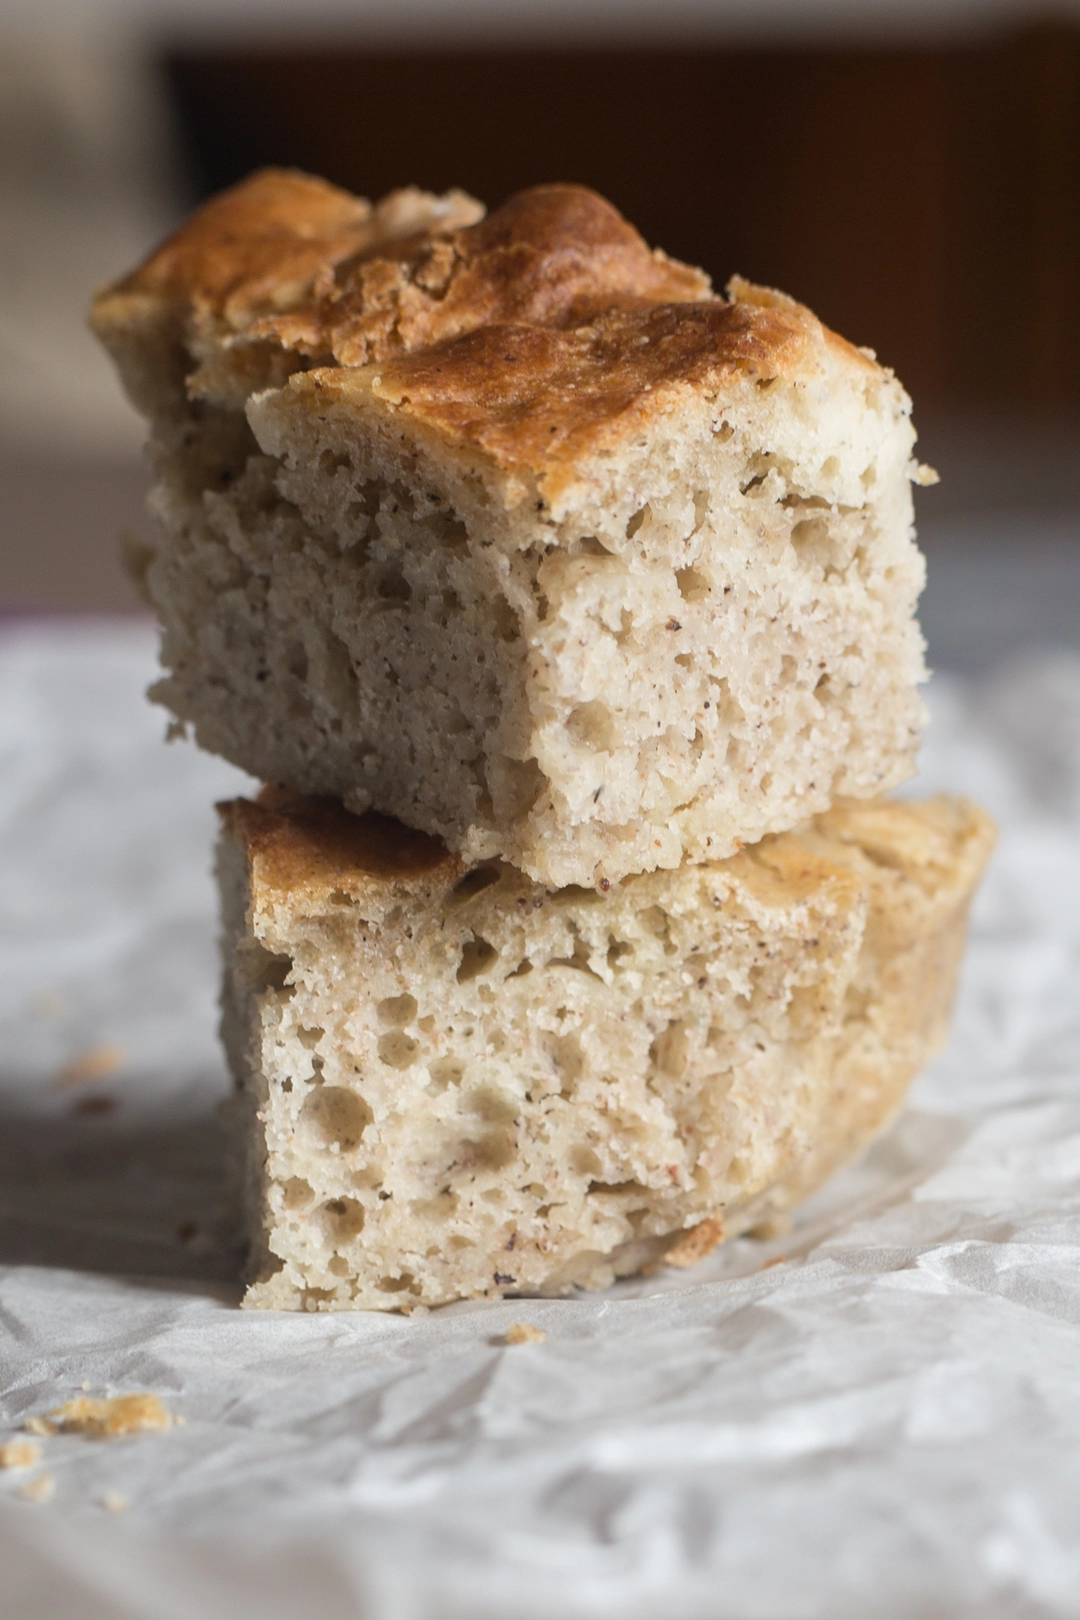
column 520, row 333
column 535, row 396
column 305, row 847
column 554, row 256
column 289, row 259
column 271, row 243
column 253, row 246
column 301, row 848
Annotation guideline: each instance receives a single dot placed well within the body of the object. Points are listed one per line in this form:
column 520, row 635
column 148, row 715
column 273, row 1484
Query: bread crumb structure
column 510, row 528
column 457, row 1083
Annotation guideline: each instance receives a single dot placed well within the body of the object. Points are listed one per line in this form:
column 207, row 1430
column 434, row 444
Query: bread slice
column 513, row 530
column 455, row 1083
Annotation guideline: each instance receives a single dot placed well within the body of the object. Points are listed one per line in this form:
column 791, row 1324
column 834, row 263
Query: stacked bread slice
column 569, row 610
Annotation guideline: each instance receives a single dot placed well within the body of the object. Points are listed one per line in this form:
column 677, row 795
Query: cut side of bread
column 510, row 528
column 456, row 1083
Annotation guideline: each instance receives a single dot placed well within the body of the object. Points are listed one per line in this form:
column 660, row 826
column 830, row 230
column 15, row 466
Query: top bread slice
column 510, row 528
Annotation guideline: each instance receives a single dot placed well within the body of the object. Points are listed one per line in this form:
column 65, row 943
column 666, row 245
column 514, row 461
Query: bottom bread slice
column 458, row 1084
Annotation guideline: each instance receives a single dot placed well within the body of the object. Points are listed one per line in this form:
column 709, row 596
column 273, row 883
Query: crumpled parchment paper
column 877, row 1415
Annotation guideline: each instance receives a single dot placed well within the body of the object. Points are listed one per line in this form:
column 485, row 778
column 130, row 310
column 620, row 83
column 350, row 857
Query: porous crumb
column 19, row 1454
column 525, row 1333
column 40, row 1489
column 695, row 1244
column 115, row 1502
column 456, row 1083
column 576, row 564
column 39, row 1425
column 112, row 1417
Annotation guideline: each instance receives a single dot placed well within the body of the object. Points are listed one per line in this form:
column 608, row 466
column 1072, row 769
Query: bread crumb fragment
column 19, row 1454
column 40, row 1489
column 94, row 1064
column 525, row 1333
column 695, row 1244
column 39, row 1425
column 111, row 1418
column 115, row 1502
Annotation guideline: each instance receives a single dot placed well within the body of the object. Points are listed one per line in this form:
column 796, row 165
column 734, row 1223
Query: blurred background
column 909, row 168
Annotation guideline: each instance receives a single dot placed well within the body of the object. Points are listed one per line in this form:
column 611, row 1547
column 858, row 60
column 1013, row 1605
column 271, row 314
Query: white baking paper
column 875, row 1416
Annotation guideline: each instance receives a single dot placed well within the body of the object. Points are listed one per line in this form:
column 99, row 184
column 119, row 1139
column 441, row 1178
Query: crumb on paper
column 777, row 1260
column 115, row 1502
column 695, row 1244
column 525, row 1333
column 42, row 1488
column 39, row 1425
column 112, row 1417
column 94, row 1064
column 19, row 1454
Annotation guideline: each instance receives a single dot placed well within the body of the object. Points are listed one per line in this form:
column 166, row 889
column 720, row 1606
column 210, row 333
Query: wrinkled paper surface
column 876, row 1415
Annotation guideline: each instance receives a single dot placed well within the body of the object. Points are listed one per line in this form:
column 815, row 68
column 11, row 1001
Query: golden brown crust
column 295, row 843
column 274, row 241
column 292, row 260
column 299, row 846
column 258, row 246
column 533, row 395
column 268, row 246
column 554, row 256
column 526, row 334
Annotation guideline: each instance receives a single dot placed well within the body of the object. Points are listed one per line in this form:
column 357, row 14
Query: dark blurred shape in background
column 922, row 195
